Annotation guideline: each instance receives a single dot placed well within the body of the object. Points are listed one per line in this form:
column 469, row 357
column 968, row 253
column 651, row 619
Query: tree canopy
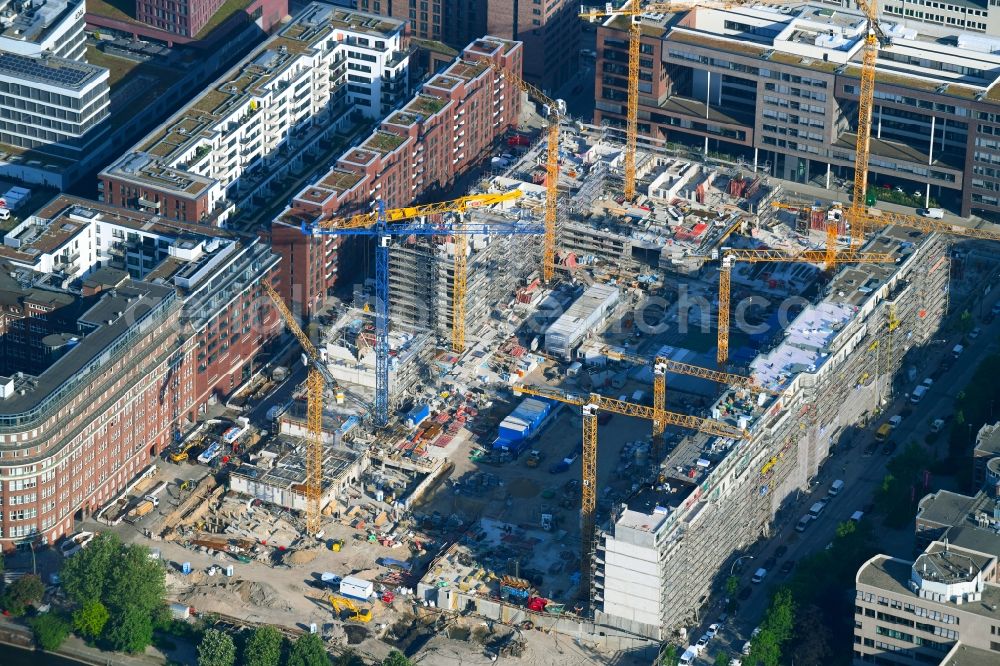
column 216, row 649
column 308, row 650
column 263, row 648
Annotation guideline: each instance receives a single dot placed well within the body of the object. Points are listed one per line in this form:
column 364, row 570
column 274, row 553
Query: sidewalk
column 18, row 635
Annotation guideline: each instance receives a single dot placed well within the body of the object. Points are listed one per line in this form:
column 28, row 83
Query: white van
column 835, row 488
column 816, row 509
column 688, row 656
column 933, row 213
column 937, row 425
column 759, row 575
column 4, row 214
column 857, row 516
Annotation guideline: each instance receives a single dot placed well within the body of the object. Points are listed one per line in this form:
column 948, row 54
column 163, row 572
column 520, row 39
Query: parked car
column 895, row 421
column 787, row 567
column 703, row 641
column 871, row 449
column 781, row 550
column 975, row 333
column 889, row 448
column 770, row 562
column 713, row 630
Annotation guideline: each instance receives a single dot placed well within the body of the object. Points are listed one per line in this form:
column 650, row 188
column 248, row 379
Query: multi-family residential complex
column 659, row 556
column 778, row 88
column 549, row 29
column 417, row 150
column 941, row 608
column 54, row 28
column 310, row 80
column 118, row 329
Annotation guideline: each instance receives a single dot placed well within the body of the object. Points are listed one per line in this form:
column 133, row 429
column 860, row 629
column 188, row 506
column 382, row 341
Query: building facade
column 549, row 29
column 316, row 75
column 52, row 102
column 778, row 88
column 981, row 16
column 929, row 610
column 183, row 17
column 417, row 152
column 658, row 557
column 103, row 376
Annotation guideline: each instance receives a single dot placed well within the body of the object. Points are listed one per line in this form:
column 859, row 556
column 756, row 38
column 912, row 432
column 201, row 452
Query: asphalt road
column 862, row 476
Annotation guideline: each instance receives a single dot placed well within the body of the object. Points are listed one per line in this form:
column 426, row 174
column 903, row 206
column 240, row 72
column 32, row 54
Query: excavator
column 346, row 609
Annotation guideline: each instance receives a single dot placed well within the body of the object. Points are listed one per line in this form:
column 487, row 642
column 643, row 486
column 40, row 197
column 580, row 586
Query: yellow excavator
column 344, row 608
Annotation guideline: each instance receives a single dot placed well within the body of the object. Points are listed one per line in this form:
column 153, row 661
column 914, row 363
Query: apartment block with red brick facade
column 117, row 330
column 416, row 154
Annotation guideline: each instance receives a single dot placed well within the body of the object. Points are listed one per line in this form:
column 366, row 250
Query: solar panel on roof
column 36, row 68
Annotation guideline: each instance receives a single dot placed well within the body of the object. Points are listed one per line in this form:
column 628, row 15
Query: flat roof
column 965, row 655
column 50, row 70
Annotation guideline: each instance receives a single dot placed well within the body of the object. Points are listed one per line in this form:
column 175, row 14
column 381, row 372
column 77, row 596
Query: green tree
column 136, row 581
column 732, row 584
column 348, row 658
column 263, row 648
column 965, row 322
column 89, row 620
column 85, row 575
column 26, row 591
column 49, row 630
column 396, row 658
column 669, row 656
column 811, row 643
column 308, row 650
column 721, row 659
column 130, row 632
column 216, row 649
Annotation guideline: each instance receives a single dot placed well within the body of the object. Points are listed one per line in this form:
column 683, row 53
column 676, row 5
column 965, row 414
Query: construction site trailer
column 357, row 588
column 583, row 316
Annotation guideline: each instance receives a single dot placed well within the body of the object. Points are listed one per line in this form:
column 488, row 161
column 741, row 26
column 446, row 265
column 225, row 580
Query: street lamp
column 732, row 569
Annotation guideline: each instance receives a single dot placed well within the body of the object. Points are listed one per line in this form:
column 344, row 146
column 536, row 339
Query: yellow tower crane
column 590, row 405
column 633, row 11
column 551, row 164
column 874, row 38
column 729, row 256
column 318, row 375
column 661, row 366
column 459, row 205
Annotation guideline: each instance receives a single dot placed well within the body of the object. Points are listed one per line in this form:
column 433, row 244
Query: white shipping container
column 357, row 588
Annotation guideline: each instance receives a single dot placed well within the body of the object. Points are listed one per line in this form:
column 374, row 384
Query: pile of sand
column 301, row 556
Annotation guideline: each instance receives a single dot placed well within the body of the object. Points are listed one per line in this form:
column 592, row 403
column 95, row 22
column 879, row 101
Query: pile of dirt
column 257, row 594
column 301, row 556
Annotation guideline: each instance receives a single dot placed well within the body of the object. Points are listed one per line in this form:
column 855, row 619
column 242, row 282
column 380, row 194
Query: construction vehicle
column 379, row 225
column 551, row 163
column 729, row 256
column 336, row 545
column 590, row 406
column 345, row 609
column 179, row 453
column 534, row 458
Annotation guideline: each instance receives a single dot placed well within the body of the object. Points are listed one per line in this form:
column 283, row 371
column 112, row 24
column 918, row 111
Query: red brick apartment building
column 549, row 29
column 96, row 381
column 417, row 150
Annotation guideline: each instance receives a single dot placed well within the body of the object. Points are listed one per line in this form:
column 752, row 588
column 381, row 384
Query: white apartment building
column 34, row 27
column 49, row 100
column 325, row 69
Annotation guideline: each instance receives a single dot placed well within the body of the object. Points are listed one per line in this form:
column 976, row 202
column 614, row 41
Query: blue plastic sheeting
column 417, row 415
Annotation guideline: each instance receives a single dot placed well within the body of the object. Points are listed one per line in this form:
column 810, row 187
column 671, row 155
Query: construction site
column 549, row 398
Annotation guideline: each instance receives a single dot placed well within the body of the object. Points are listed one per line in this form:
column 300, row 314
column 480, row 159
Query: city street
column 861, row 475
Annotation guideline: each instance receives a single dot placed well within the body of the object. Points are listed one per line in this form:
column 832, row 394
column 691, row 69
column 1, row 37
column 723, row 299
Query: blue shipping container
column 522, row 423
column 417, row 415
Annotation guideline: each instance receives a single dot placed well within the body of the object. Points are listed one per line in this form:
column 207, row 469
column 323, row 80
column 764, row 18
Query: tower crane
column 874, row 38
column 317, row 377
column 590, row 405
column 633, row 11
column 661, row 366
column 755, row 256
column 551, row 164
column 378, row 225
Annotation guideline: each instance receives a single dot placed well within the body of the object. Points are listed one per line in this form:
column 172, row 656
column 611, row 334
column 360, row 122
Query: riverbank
column 17, row 649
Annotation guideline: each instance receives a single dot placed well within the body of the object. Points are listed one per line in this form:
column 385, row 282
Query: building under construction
column 661, row 554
